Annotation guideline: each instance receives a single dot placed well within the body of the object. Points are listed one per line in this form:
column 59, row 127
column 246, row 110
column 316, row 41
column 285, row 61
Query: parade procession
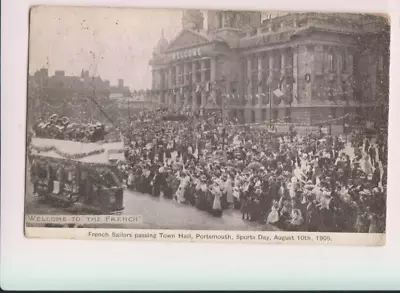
column 275, row 124
column 313, row 182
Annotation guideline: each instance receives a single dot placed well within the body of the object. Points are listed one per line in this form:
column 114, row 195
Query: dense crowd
column 56, row 127
column 315, row 182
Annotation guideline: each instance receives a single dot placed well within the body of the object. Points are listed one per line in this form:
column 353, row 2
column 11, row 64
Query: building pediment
column 187, row 38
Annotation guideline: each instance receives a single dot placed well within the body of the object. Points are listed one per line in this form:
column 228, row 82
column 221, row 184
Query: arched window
column 331, row 61
column 220, row 20
column 344, row 63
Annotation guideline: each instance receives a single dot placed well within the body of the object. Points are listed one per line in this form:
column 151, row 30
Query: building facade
column 68, row 95
column 293, row 67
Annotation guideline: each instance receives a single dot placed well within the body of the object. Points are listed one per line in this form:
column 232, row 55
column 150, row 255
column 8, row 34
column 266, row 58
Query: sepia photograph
column 206, row 120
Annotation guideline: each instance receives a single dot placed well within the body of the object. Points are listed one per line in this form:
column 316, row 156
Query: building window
column 289, row 59
column 263, row 114
column 220, row 22
column 207, row 69
column 380, row 63
column 275, row 114
column 253, row 116
column 188, row 75
column 265, row 74
column 173, row 77
column 344, row 63
column 278, row 61
column 234, row 114
column 332, row 114
column 288, row 115
column 181, row 75
column 243, row 87
column 165, row 79
column 198, row 71
column 331, row 61
column 198, row 99
column 254, row 79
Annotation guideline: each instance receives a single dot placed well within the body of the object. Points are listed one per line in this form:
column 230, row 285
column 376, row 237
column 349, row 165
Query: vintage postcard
column 207, row 125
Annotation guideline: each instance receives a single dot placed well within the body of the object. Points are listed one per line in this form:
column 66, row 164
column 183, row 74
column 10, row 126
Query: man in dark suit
column 376, row 176
column 372, row 154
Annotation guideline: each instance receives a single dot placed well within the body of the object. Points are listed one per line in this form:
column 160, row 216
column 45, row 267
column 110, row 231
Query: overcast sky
column 122, row 41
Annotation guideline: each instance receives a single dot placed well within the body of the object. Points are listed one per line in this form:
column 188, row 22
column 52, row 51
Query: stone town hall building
column 325, row 65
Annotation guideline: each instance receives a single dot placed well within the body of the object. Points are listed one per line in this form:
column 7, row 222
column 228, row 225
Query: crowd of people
column 314, row 182
column 56, row 127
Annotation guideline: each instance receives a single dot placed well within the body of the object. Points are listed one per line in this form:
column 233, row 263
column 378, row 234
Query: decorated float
column 83, row 176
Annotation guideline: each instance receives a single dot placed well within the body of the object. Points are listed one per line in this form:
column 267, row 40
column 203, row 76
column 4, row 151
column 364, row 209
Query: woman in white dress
column 184, row 182
column 216, row 208
column 229, row 191
column 366, row 165
column 273, row 216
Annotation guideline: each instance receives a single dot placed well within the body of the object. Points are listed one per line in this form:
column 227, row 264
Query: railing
column 335, row 21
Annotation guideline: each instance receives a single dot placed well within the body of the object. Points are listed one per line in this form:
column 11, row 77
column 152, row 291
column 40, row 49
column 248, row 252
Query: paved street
column 159, row 213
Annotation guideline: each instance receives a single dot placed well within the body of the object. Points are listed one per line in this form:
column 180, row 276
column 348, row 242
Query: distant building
column 120, row 88
column 66, row 95
column 129, row 104
column 325, row 65
column 60, row 86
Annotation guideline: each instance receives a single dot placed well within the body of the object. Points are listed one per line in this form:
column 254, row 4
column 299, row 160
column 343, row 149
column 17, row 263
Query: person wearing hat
column 312, row 215
column 216, row 209
column 184, row 182
column 376, row 175
column 273, row 216
column 158, row 182
column 296, row 220
column 201, row 193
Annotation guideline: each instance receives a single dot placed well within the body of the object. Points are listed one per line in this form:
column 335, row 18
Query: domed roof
column 162, row 44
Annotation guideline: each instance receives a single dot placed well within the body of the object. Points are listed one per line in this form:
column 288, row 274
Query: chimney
column 120, row 83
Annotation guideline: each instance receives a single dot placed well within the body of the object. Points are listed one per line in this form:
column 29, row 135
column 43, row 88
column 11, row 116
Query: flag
column 208, row 86
column 278, row 93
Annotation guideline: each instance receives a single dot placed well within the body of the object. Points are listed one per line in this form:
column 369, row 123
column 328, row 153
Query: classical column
column 350, row 83
column 282, row 55
column 249, row 82
column 193, row 89
column 203, row 80
column 270, row 77
column 178, row 89
column 161, row 87
column 185, row 95
column 295, row 76
column 260, row 81
column 170, row 85
column 249, row 106
column 213, row 78
column 309, row 55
